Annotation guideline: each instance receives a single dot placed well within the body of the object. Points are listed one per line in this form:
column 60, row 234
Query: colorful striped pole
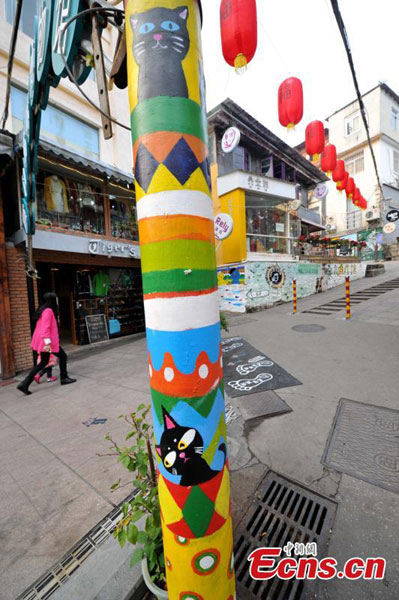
column 294, row 297
column 348, row 297
column 175, row 215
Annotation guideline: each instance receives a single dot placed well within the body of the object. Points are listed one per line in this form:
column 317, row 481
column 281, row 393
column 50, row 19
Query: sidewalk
column 54, row 488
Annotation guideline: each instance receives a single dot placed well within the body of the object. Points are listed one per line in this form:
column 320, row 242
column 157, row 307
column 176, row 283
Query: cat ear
column 159, row 451
column 134, row 22
column 183, row 12
column 167, row 420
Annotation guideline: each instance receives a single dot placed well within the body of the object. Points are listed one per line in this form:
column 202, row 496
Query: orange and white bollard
column 294, row 297
column 348, row 297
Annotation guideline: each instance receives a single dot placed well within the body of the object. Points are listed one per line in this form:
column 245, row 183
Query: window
column 241, row 159
column 69, row 204
column 394, row 118
column 355, row 163
column 29, row 10
column 267, row 166
column 123, row 219
column 396, row 161
column 266, row 226
column 58, row 127
column 352, row 123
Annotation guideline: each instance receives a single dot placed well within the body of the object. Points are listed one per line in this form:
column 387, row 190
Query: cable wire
column 345, row 39
column 13, row 43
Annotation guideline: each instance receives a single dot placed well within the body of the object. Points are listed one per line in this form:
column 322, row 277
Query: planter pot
column 158, row 592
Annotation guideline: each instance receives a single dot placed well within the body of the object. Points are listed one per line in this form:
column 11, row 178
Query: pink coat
column 46, row 328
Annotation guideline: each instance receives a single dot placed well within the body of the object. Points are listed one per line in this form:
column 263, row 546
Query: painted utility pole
column 175, row 214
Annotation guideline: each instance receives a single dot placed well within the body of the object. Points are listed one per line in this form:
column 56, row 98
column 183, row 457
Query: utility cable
column 13, row 43
column 345, row 39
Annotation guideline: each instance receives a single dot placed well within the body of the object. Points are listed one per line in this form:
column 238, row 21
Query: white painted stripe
column 176, row 202
column 179, row 314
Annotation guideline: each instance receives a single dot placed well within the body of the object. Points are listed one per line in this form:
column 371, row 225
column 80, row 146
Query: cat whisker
column 178, row 44
column 177, row 50
column 176, row 37
column 139, row 44
column 174, row 472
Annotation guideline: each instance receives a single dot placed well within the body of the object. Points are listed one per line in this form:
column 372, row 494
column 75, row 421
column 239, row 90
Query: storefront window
column 68, row 204
column 123, row 219
column 266, row 226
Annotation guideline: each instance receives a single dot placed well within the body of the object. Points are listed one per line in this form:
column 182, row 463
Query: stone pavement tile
column 11, row 494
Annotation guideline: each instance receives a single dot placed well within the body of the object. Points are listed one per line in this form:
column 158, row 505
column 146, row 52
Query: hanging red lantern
column 290, row 102
column 329, row 159
column 357, row 197
column 338, row 173
column 363, row 203
column 238, row 25
column 341, row 185
column 350, row 187
column 314, row 139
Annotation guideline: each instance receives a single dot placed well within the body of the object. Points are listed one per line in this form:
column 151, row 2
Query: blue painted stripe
column 184, row 346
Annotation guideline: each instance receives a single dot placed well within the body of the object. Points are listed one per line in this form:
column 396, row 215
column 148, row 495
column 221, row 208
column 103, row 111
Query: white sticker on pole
column 230, row 139
column 223, row 226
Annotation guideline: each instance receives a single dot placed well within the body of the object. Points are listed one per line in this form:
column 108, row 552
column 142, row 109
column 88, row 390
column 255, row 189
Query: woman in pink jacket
column 46, row 341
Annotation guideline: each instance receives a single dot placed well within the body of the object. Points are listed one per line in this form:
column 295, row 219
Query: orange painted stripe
column 179, row 294
column 174, row 227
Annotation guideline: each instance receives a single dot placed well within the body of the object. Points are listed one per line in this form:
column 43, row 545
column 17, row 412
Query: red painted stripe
column 179, row 294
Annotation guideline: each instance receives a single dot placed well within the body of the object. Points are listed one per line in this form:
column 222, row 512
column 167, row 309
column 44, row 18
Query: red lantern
column 338, row 173
column 314, row 139
column 363, row 203
column 238, row 26
column 329, row 159
column 350, row 187
column 290, row 102
column 357, row 197
column 341, row 185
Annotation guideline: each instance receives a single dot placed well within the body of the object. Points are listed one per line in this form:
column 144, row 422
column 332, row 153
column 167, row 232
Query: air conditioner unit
column 372, row 215
column 331, row 226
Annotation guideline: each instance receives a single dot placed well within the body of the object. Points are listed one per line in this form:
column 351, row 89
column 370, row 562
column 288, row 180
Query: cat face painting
column 160, row 43
column 181, row 450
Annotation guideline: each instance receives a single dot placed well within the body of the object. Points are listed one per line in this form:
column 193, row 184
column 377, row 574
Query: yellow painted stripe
column 173, row 227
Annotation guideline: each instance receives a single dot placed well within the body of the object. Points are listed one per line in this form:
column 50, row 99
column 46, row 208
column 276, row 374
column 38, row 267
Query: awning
column 317, row 226
column 310, row 217
column 94, row 166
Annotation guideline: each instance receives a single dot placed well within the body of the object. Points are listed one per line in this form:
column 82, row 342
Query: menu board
column 97, row 328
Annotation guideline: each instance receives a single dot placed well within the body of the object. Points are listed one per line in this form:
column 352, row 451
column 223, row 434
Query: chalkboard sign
column 97, row 328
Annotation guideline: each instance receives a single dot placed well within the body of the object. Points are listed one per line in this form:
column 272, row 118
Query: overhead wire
column 345, row 39
column 10, row 64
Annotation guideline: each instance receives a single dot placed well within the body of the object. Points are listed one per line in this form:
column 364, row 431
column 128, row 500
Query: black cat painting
column 161, row 41
column 181, row 450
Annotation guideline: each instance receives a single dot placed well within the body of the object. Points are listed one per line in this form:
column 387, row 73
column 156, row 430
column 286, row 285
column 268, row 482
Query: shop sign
column 230, row 139
column 223, row 226
column 392, row 215
column 389, row 228
column 65, row 46
column 260, row 184
column 321, row 191
column 45, row 74
column 113, row 249
column 275, row 276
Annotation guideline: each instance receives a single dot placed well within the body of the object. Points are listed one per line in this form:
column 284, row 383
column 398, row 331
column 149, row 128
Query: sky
column 300, row 38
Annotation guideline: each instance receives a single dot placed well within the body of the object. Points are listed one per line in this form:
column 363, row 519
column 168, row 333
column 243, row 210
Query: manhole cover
column 309, row 328
column 364, row 443
column 285, row 511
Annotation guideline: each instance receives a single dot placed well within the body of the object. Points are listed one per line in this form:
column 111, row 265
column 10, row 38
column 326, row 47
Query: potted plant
column 138, row 458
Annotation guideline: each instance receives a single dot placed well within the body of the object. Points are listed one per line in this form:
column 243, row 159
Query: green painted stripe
column 176, row 281
column 168, row 114
column 202, row 404
column 179, row 254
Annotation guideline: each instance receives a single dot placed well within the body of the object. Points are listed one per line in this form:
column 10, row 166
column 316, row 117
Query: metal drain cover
column 364, row 443
column 283, row 511
column 310, row 328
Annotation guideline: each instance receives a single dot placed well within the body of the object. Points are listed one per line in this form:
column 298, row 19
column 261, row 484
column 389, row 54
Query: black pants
column 45, row 357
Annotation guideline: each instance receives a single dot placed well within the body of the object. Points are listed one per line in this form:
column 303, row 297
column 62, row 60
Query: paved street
column 54, row 488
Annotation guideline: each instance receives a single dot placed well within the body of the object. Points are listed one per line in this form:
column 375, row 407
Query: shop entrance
column 59, row 279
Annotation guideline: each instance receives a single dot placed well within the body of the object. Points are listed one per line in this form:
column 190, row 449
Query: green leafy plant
column 223, row 321
column 138, row 458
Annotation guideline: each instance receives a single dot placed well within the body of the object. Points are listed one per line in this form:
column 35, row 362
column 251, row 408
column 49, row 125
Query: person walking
column 46, row 341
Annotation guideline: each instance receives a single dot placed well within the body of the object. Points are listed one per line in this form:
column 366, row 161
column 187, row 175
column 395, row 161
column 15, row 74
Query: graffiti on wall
column 231, row 284
column 265, row 284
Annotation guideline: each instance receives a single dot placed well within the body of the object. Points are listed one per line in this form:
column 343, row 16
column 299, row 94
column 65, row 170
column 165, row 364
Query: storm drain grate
column 59, row 573
column 284, row 511
column 356, row 298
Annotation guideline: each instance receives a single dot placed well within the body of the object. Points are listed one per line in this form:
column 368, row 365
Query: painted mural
column 231, row 282
column 176, row 230
column 265, row 284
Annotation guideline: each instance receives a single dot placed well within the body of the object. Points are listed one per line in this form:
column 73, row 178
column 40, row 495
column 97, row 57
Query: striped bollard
column 294, row 297
column 176, row 230
column 348, row 297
